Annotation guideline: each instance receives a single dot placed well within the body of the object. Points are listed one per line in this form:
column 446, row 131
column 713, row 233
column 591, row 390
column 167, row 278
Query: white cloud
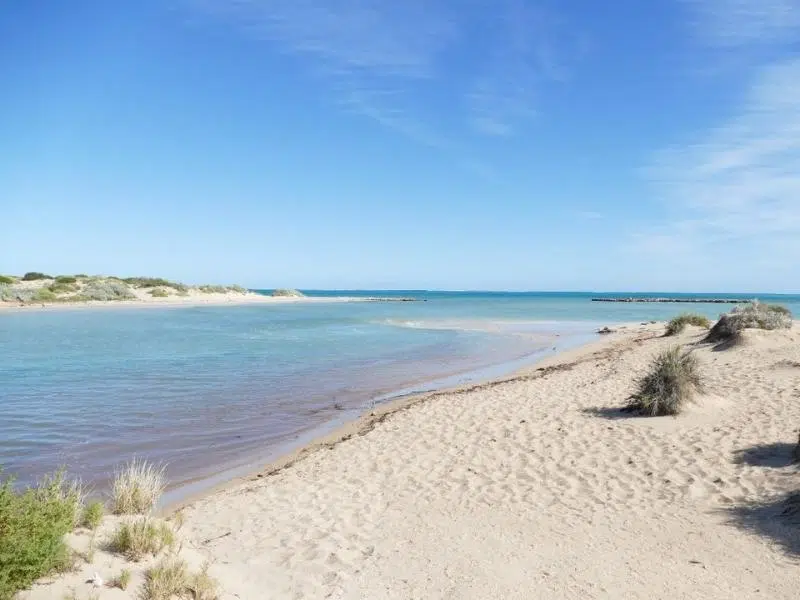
column 430, row 69
column 733, row 191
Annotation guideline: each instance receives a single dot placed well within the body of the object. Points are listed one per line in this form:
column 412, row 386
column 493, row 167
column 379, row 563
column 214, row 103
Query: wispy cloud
column 432, row 70
column 735, row 188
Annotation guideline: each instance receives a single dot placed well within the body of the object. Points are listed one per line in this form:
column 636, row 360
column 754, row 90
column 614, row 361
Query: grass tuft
column 93, row 515
column 6, row 279
column 670, row 383
column 66, row 279
column 202, row 586
column 159, row 292
column 121, row 581
column 167, row 579
column 141, row 537
column 32, row 528
column 137, row 487
column 679, row 323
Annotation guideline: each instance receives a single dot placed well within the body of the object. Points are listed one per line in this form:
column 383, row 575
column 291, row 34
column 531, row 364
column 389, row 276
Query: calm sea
column 213, row 391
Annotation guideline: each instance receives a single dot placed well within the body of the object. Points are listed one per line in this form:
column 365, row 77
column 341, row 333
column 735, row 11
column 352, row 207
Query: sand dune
column 536, row 487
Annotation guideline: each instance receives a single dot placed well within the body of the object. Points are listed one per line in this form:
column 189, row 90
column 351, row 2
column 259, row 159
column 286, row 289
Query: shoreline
column 367, row 419
column 189, row 302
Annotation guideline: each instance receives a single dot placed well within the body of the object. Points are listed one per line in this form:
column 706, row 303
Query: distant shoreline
column 189, row 301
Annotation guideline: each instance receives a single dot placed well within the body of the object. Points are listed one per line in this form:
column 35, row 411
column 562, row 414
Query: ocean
column 216, row 391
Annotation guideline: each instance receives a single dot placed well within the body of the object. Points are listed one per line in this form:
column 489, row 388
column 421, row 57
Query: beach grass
column 121, row 581
column 137, row 487
column 7, row 280
column 141, row 537
column 92, row 515
column 282, row 292
column 671, row 381
column 754, row 315
column 679, row 323
column 33, row 524
column 167, row 579
column 159, row 292
column 202, row 586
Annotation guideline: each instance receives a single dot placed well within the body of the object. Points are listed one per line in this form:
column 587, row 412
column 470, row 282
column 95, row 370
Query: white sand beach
column 536, row 487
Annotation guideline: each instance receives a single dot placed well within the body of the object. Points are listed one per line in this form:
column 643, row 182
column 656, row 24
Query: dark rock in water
column 796, row 453
column 606, row 330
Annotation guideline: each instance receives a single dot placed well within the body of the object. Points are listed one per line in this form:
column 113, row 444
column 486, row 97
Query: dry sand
column 535, row 488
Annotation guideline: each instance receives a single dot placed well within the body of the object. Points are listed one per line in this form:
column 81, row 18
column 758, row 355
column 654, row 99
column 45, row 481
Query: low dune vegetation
column 287, row 293
column 755, row 315
column 35, row 523
column 679, row 323
column 40, row 288
column 670, row 383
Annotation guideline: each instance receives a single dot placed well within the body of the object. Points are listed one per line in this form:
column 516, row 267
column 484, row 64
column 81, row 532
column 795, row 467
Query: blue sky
column 450, row 144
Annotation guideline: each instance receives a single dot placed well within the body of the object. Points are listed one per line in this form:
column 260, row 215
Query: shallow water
column 208, row 389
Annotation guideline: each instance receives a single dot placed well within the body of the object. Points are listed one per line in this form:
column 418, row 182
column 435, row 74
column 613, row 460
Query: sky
column 439, row 144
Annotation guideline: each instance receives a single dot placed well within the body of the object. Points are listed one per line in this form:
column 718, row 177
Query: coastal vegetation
column 679, row 323
column 288, row 293
column 33, row 524
column 141, row 537
column 754, row 315
column 671, row 381
column 137, row 487
column 39, row 288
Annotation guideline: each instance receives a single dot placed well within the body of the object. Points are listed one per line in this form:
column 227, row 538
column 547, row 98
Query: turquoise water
column 209, row 389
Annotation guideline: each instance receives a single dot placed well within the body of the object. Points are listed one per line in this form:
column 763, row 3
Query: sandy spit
column 535, row 487
column 194, row 298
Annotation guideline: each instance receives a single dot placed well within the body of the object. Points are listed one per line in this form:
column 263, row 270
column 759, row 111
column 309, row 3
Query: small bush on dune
column 6, row 279
column 137, row 487
column 213, row 289
column 753, row 315
column 238, row 289
column 66, row 279
column 35, row 276
column 159, row 292
column 142, row 537
column 63, row 288
column 287, row 293
column 150, row 282
column 168, row 579
column 93, row 515
column 43, row 295
column 679, row 323
column 171, row 578
column 670, row 383
column 105, row 290
column 32, row 528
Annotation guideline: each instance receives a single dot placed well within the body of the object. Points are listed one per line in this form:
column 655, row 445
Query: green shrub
column 92, row 515
column 213, row 289
column 122, row 580
column 81, row 276
column 63, row 288
column 238, row 289
column 43, row 295
column 141, row 537
column 159, row 292
column 670, row 383
column 287, row 293
column 66, row 279
column 150, row 282
column 104, row 290
column 35, row 276
column 679, row 323
column 33, row 524
column 6, row 279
